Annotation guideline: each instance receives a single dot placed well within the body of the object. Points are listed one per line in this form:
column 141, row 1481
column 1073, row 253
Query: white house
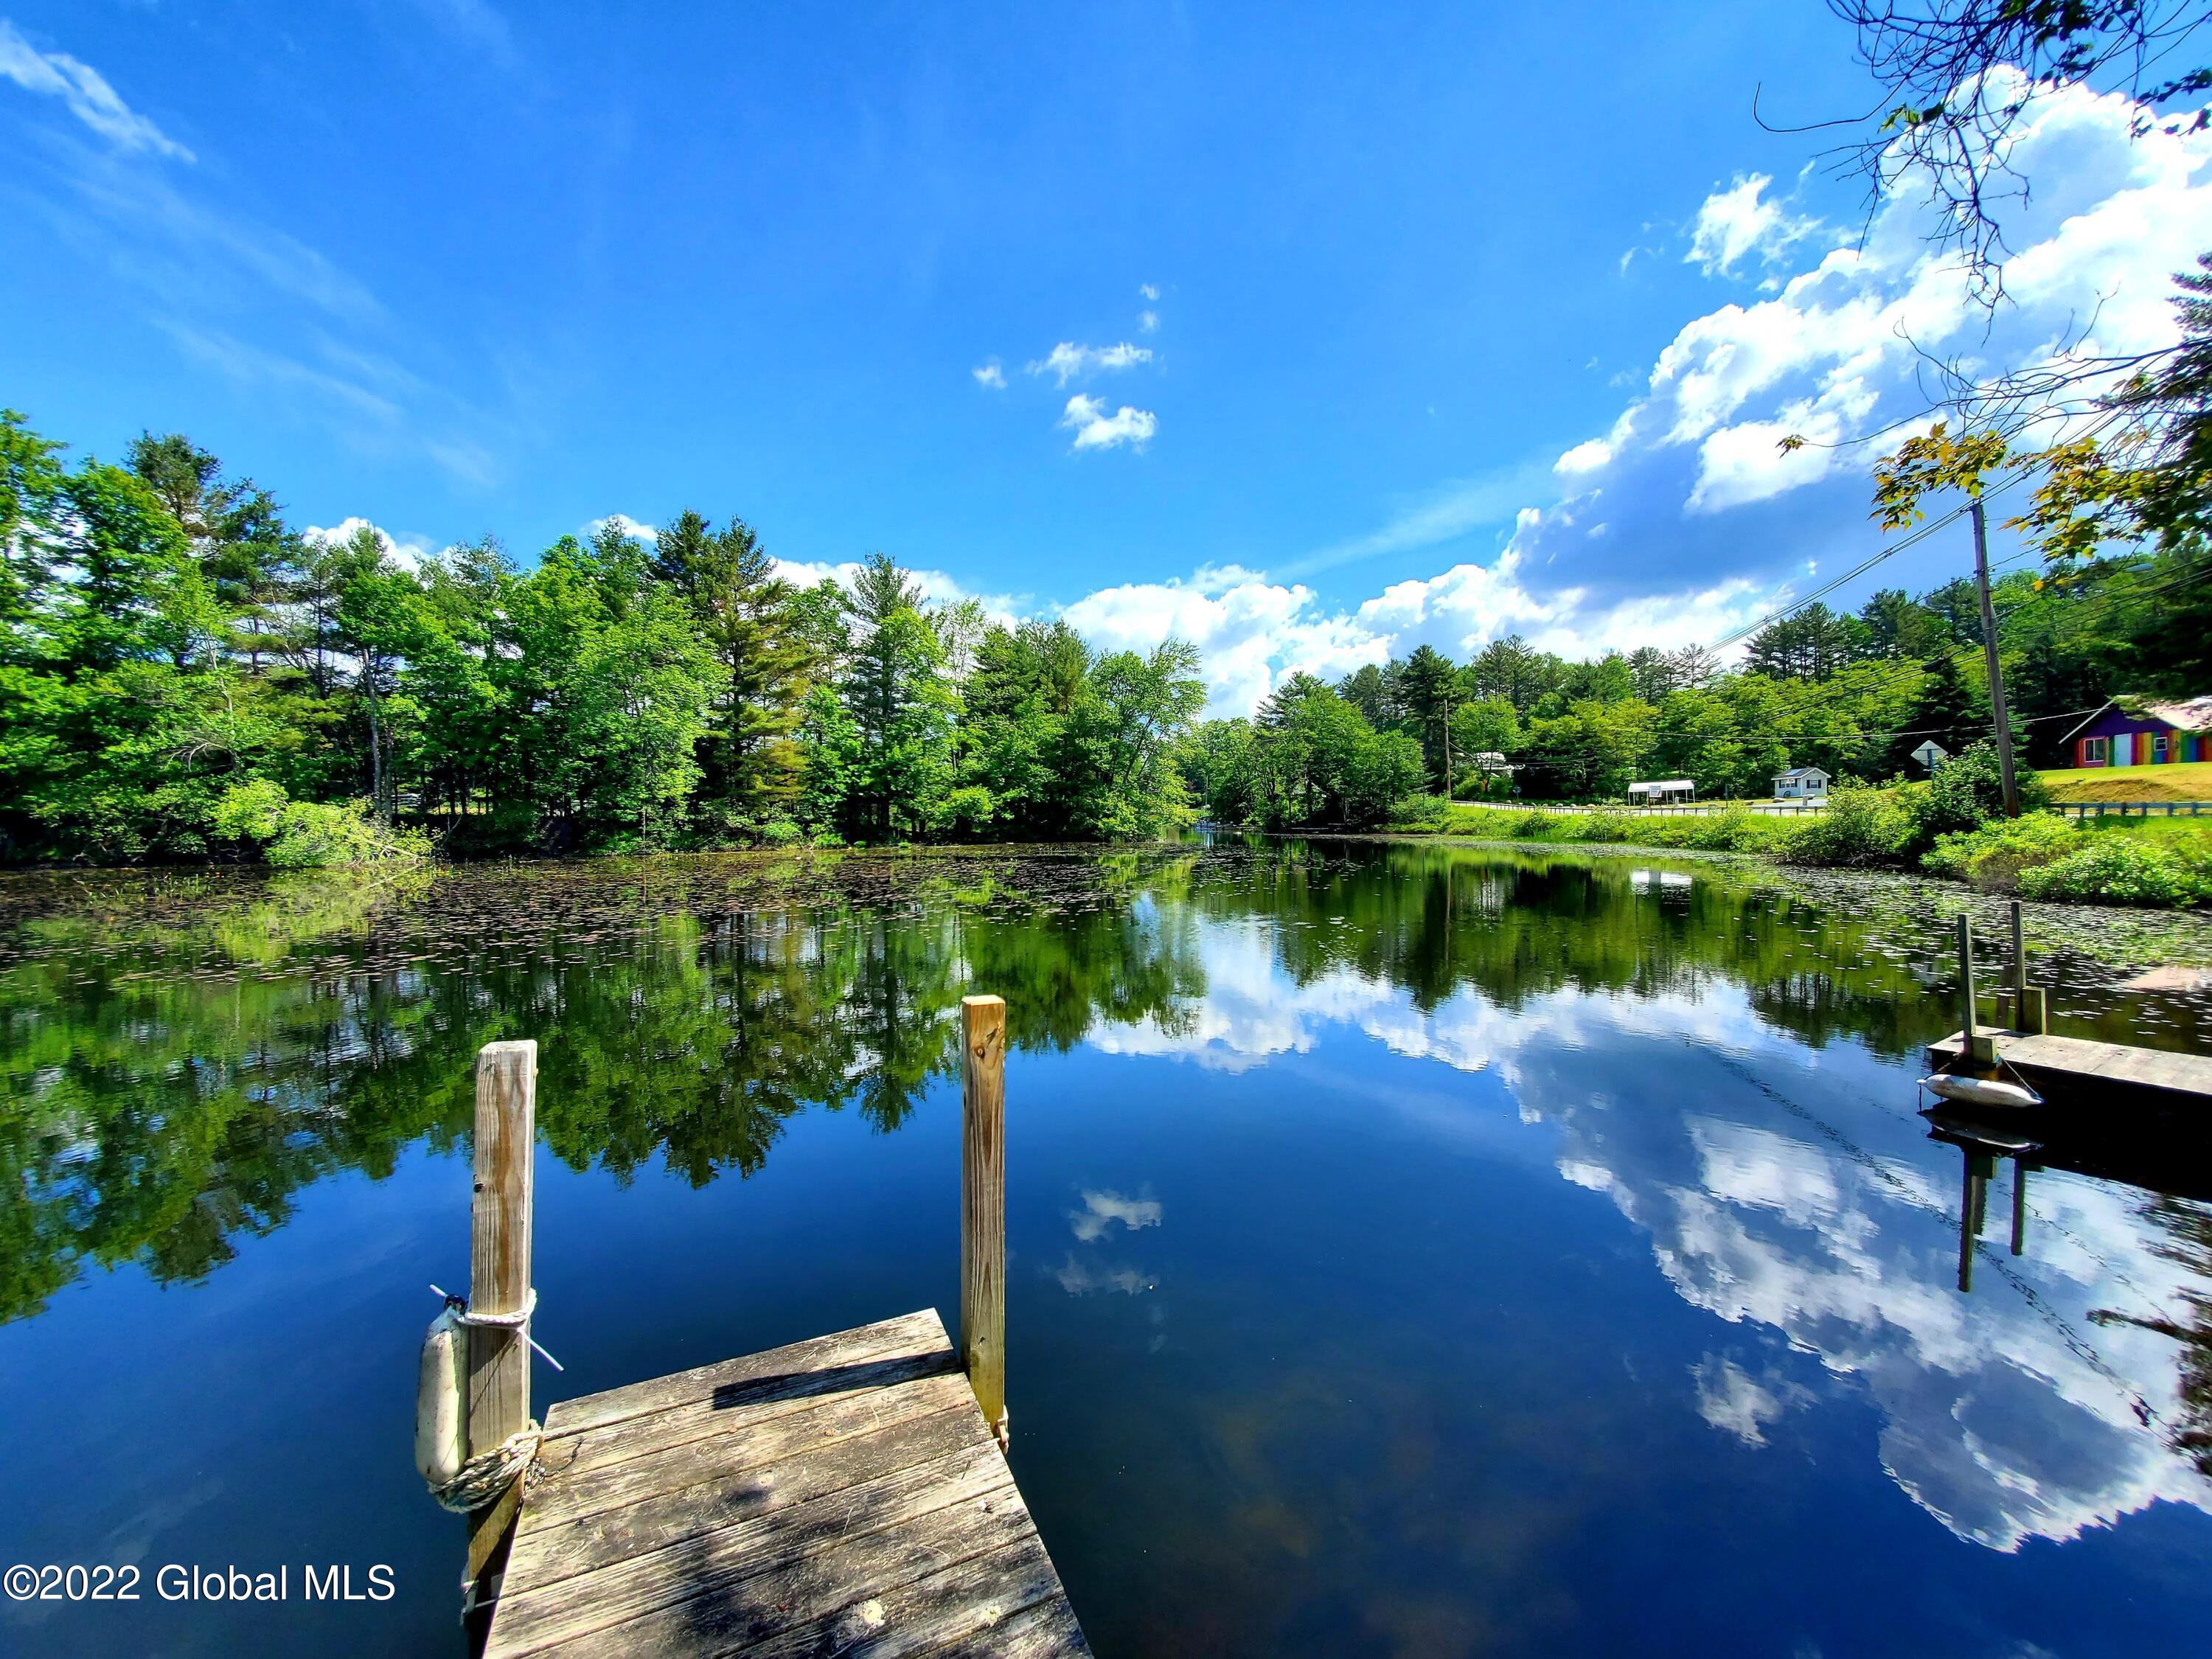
column 1801, row 783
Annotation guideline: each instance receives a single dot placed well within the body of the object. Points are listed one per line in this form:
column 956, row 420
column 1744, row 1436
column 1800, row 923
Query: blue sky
column 1337, row 292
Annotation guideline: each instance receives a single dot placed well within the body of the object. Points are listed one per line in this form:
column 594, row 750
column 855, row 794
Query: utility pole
column 1997, row 715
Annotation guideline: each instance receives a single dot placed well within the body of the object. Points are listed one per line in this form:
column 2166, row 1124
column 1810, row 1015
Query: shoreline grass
column 2154, row 863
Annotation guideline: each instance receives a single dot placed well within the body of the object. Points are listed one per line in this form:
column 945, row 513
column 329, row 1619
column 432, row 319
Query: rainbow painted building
column 2138, row 731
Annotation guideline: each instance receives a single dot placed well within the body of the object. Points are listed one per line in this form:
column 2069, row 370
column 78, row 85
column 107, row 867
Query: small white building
column 1801, row 783
column 1660, row 792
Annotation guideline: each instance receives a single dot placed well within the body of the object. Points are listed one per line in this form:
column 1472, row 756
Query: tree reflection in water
column 180, row 1055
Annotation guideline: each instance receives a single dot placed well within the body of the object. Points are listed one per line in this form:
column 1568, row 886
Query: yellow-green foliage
column 2125, row 870
column 1993, row 857
column 299, row 835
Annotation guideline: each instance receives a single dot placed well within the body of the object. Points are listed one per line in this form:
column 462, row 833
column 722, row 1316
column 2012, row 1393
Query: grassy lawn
column 2191, row 832
column 2184, row 781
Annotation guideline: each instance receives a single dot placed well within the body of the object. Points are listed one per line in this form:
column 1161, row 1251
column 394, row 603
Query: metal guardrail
column 1710, row 809
column 2136, row 809
column 1687, row 810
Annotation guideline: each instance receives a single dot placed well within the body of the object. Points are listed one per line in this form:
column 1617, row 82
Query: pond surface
column 1412, row 1250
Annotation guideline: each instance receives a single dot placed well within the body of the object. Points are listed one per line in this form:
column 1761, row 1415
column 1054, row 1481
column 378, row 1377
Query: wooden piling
column 2024, row 1011
column 2019, row 1206
column 983, row 1205
column 1980, row 1049
column 499, row 1278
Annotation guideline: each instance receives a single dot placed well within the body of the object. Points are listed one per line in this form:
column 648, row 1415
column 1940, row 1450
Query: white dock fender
column 1981, row 1091
column 442, row 1385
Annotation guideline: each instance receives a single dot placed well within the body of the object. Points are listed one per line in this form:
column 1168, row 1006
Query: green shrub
column 1862, row 827
column 2120, row 870
column 1993, row 857
column 1422, row 814
column 1967, row 791
column 1530, row 826
column 1607, row 826
column 969, row 810
column 1736, row 829
column 301, row 835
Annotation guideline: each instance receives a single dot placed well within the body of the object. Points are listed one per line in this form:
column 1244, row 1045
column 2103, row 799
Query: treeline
column 1852, row 694
column 182, row 675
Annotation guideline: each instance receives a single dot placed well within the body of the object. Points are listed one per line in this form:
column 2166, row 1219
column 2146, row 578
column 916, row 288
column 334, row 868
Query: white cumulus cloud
column 1690, row 483
column 1068, row 360
column 1096, row 429
column 990, row 374
column 411, row 551
column 624, row 522
column 1741, row 220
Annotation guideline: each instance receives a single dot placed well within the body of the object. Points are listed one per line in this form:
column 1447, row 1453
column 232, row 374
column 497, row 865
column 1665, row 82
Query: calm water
column 1412, row 1250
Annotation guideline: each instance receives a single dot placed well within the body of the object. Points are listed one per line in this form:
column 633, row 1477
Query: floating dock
column 2056, row 1066
column 840, row 1496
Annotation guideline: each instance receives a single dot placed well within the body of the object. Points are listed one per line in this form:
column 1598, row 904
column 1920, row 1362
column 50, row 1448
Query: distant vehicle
column 1801, row 783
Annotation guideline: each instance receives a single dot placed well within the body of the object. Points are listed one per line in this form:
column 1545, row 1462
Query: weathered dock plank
column 2072, row 1061
column 844, row 1495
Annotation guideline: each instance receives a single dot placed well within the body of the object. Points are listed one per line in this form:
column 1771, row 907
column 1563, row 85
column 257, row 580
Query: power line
column 1891, row 551
column 1959, row 655
column 1962, row 655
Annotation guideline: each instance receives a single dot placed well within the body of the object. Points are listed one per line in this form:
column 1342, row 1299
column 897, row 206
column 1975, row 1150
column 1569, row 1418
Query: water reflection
column 2172, row 1162
column 1714, row 1053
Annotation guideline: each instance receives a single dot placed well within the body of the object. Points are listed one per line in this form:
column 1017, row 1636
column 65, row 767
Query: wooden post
column 2019, row 957
column 499, row 1279
column 1976, row 1049
column 2019, row 1206
column 2025, row 1010
column 983, row 1205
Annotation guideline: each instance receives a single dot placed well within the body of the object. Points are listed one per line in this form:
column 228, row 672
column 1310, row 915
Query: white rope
column 465, row 1314
column 485, row 1476
column 516, row 1320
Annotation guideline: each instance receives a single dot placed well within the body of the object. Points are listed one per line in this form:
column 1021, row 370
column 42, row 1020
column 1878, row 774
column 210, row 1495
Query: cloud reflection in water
column 1812, row 1205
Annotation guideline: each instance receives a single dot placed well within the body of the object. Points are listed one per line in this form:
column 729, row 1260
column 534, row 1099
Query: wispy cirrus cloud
column 243, row 298
column 86, row 93
column 1443, row 516
column 477, row 22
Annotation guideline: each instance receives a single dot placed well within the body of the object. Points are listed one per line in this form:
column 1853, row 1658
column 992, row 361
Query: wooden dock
column 2056, row 1066
column 847, row 1496
column 840, row 1496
